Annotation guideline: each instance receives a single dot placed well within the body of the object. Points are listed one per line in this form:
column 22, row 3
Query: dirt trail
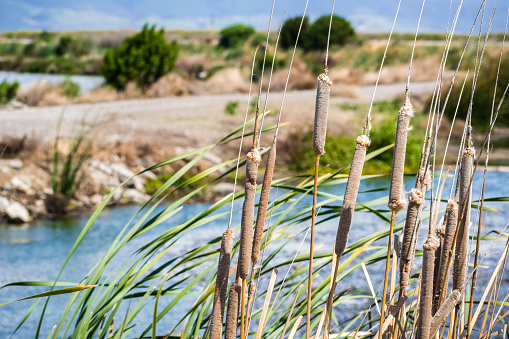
column 184, row 121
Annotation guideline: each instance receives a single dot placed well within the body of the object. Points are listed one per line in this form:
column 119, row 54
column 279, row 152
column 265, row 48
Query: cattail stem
column 429, row 248
column 223, row 268
column 387, row 265
column 444, row 311
column 243, row 305
column 232, row 312
column 311, row 247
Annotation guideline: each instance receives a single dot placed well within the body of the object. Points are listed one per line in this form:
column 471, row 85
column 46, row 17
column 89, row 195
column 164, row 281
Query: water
column 37, row 251
column 86, row 82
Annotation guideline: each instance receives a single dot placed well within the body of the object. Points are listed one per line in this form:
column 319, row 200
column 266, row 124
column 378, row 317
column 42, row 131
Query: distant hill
column 365, row 15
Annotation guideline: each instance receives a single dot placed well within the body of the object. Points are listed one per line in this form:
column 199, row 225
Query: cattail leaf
column 67, row 290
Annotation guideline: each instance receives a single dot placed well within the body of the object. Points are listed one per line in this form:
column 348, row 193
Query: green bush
column 74, row 46
column 483, row 97
column 71, row 89
column 235, row 35
column 316, row 35
column 8, row 91
column 231, row 107
column 290, row 29
column 144, row 58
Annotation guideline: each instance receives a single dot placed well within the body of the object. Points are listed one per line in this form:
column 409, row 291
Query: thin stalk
column 387, row 264
column 311, row 248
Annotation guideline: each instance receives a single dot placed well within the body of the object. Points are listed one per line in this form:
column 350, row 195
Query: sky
column 365, row 15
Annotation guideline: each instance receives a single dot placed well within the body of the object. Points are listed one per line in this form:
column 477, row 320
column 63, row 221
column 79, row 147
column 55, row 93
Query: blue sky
column 365, row 15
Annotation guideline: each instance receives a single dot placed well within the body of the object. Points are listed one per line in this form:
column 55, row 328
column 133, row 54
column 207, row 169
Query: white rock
column 135, row 196
column 223, row 188
column 22, row 183
column 96, row 199
column 14, row 211
column 12, row 163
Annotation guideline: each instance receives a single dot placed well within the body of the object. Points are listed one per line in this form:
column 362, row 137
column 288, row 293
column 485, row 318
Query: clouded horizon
column 365, row 15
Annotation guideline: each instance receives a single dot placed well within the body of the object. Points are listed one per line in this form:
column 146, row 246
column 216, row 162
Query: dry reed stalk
column 451, row 221
column 429, row 248
column 232, row 312
column 391, row 317
column 223, row 268
column 465, row 190
column 289, row 316
column 333, row 275
column 443, row 312
column 263, row 203
column 295, row 327
column 266, row 304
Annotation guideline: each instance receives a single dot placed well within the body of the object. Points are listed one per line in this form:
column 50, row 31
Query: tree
column 235, row 35
column 144, row 58
column 290, row 29
column 316, row 35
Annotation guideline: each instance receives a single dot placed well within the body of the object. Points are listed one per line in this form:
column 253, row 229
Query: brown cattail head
column 321, row 112
column 232, row 312
column 223, row 268
column 396, row 194
column 451, row 219
column 351, row 190
column 465, row 195
column 264, row 202
column 246, row 229
column 444, row 311
column 252, row 163
column 426, row 300
column 410, row 230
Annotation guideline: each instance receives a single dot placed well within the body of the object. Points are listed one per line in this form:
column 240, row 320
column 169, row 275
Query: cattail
column 246, row 230
column 232, row 312
column 223, row 268
column 396, row 194
column 410, row 230
column 321, row 112
column 252, row 163
column 350, row 198
column 426, row 299
column 465, row 190
column 444, row 311
column 440, row 232
column 264, row 201
column 450, row 230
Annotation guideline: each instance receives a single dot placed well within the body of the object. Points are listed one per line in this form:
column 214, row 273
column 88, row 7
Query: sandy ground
column 185, row 121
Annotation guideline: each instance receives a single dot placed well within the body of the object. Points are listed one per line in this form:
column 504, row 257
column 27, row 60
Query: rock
column 96, row 199
column 12, row 163
column 224, row 188
column 125, row 173
column 14, row 211
column 212, row 158
column 22, row 183
column 135, row 196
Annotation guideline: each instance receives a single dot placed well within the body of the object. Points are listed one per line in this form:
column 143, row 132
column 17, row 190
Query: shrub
column 8, row 91
column 231, row 107
column 235, row 35
column 290, row 29
column 316, row 35
column 74, row 46
column 71, row 89
column 145, row 57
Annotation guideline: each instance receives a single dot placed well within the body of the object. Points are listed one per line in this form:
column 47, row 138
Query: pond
column 37, row 251
column 87, row 83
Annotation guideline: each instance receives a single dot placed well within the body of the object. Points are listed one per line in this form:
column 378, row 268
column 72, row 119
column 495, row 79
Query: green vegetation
column 8, row 91
column 143, row 58
column 231, row 107
column 235, row 35
column 73, row 46
column 71, row 89
column 315, row 36
column 483, row 97
column 339, row 150
column 290, row 29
